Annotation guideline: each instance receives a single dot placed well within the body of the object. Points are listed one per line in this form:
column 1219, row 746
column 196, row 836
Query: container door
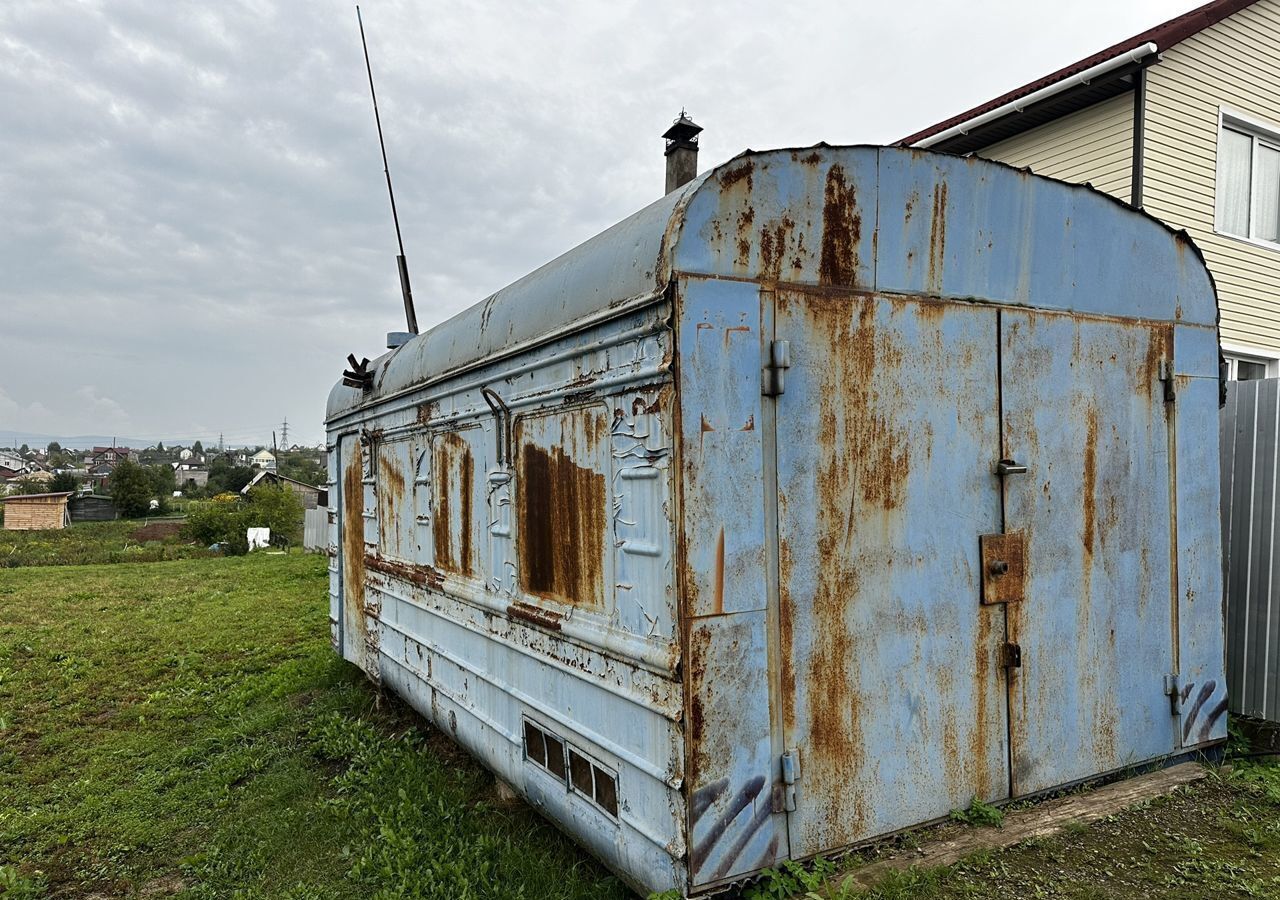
column 887, row 426
column 1084, row 412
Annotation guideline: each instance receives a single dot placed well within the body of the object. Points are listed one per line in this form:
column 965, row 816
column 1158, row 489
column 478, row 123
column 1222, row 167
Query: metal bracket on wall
column 1166, row 380
column 773, row 382
column 784, row 794
column 1174, row 692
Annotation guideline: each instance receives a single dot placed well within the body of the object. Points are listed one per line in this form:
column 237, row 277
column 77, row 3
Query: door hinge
column 773, row 379
column 784, row 794
column 1010, row 655
column 1166, row 381
column 1174, row 691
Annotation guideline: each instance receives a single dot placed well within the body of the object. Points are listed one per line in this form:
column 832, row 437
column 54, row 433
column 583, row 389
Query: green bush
column 224, row 519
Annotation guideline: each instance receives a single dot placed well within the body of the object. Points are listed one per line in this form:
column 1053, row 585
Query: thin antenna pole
column 410, row 316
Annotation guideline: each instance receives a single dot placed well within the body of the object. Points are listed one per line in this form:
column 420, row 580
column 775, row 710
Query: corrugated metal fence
column 1250, row 429
column 315, row 523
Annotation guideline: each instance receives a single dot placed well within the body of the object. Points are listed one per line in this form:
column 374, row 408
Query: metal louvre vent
column 582, row 775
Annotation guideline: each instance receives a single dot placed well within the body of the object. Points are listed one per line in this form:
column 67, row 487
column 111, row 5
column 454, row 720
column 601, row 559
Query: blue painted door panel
column 887, row 435
column 1084, row 410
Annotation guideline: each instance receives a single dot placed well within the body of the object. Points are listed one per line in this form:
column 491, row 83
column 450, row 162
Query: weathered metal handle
column 1009, row 467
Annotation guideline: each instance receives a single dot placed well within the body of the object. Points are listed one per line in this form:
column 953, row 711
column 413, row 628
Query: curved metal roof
column 885, row 219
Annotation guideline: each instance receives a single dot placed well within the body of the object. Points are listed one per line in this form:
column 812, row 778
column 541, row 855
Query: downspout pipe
column 1138, row 54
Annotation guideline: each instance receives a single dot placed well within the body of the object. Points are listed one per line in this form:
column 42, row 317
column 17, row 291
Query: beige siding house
column 1182, row 120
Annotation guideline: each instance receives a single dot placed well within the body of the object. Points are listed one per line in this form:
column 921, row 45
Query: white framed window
column 1247, row 196
column 1250, row 363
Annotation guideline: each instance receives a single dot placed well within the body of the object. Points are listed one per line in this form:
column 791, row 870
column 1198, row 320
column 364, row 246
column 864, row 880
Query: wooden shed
column 33, row 512
column 93, row 508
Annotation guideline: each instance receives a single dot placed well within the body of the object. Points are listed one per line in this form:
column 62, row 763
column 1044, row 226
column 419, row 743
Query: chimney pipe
column 681, row 152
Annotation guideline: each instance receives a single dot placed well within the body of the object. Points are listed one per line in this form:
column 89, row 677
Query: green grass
column 88, row 543
column 183, row 728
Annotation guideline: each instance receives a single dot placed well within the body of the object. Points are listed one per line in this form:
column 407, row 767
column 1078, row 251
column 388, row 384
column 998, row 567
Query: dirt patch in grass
column 157, row 531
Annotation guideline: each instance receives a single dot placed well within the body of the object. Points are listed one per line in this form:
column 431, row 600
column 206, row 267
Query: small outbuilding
column 93, row 508
column 310, row 495
column 34, row 512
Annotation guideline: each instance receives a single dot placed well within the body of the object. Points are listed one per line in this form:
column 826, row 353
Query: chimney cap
column 683, row 132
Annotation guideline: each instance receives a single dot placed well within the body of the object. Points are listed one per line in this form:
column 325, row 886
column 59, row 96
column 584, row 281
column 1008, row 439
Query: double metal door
column 900, row 690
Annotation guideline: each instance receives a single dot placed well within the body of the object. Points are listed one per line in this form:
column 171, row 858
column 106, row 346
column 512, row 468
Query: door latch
column 1004, row 565
column 1010, row 467
column 773, row 384
column 784, row 795
column 1010, row 655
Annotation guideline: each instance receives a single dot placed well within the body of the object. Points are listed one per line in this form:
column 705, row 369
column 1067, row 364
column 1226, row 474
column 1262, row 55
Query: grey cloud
column 195, row 229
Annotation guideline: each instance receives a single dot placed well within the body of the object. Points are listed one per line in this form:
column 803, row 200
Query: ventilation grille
column 582, row 775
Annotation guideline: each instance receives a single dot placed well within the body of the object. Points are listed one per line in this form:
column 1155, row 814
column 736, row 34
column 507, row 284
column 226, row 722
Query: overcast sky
column 194, row 230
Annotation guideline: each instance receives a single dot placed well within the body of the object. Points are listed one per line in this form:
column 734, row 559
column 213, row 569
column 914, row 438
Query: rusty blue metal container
column 831, row 491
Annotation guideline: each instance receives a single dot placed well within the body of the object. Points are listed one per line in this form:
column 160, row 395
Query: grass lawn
column 183, row 728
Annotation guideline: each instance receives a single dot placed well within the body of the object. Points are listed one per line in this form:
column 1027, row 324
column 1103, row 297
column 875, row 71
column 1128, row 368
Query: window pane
column 1247, row 370
column 1235, row 151
column 1266, row 212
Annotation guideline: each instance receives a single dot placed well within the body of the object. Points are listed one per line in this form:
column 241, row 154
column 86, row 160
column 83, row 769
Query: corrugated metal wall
column 1250, row 461
column 315, row 529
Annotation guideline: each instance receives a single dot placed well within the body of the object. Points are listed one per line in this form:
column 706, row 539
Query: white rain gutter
column 1102, row 68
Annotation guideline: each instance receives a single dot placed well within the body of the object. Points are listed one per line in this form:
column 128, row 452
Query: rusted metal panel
column 971, row 229
column 454, row 534
column 1203, row 686
column 722, row 463
column 584, row 642
column 352, row 552
column 890, row 676
column 1004, row 569
column 733, row 826
column 561, row 511
column 1095, row 629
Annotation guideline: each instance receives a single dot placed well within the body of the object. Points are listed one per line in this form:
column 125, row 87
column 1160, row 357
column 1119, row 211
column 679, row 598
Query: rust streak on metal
column 353, row 534
column 562, row 523
column 526, row 612
column 390, row 488
column 454, row 472
column 937, row 237
column 422, row 576
column 1090, row 482
column 841, row 231
column 731, row 177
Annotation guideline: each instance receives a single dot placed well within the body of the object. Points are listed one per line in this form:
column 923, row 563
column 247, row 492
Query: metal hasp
column 851, row 455
column 1004, row 571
